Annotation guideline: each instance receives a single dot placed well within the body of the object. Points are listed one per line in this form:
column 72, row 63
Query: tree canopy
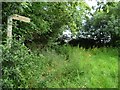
column 48, row 19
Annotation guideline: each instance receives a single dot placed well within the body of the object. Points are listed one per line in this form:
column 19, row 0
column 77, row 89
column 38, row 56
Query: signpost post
column 9, row 26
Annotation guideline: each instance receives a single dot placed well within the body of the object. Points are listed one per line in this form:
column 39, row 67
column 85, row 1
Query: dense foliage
column 59, row 67
column 46, row 18
column 44, row 63
column 105, row 23
column 101, row 29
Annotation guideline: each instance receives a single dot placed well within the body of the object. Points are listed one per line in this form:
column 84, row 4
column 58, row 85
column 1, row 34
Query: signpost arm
column 9, row 26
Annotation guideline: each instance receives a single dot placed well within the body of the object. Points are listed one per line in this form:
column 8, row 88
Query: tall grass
column 71, row 67
column 77, row 67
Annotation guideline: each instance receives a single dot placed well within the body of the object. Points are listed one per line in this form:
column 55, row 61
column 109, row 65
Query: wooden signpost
column 9, row 26
column 21, row 18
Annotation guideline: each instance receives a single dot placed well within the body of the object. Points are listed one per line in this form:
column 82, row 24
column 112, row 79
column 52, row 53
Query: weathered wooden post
column 9, row 26
column 9, row 31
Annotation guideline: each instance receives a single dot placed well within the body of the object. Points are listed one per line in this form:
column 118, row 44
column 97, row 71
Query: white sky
column 91, row 2
column 94, row 2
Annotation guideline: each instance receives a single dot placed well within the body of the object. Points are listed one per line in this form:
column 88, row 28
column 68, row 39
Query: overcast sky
column 91, row 2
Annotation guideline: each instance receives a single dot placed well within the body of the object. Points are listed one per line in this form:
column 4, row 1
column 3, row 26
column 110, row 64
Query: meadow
column 72, row 67
column 61, row 67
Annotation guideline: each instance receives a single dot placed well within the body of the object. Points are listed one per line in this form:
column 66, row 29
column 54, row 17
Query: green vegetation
column 60, row 68
column 47, row 18
column 37, row 60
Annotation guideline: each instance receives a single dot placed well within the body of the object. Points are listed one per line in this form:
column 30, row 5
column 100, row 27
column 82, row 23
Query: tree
column 47, row 18
column 106, row 20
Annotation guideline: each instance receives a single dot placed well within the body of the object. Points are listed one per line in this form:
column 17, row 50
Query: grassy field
column 73, row 67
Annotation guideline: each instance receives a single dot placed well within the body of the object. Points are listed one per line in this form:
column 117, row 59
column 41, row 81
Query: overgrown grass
column 76, row 67
column 71, row 67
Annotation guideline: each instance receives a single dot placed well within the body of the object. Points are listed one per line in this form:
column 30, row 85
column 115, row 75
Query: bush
column 12, row 64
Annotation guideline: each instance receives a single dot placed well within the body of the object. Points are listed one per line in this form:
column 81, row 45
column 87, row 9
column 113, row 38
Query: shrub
column 14, row 62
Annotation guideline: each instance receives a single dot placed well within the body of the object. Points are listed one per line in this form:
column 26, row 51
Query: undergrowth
column 61, row 67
